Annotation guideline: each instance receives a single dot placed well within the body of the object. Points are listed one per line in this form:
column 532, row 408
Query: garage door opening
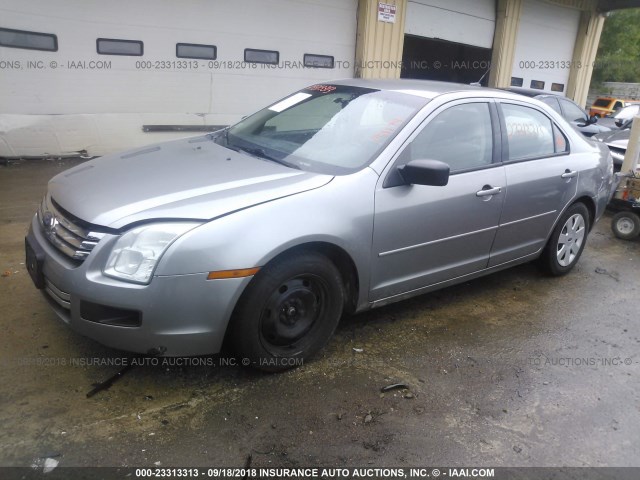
column 431, row 59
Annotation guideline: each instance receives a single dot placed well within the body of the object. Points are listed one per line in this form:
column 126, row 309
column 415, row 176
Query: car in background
column 617, row 141
column 341, row 197
column 604, row 106
column 621, row 116
column 569, row 110
column 626, row 113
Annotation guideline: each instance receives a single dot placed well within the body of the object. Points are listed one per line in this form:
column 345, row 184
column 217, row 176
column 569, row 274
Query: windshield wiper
column 255, row 151
column 220, row 133
column 259, row 152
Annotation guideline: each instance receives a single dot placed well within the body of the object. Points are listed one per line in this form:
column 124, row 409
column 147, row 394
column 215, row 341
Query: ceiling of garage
column 608, row 5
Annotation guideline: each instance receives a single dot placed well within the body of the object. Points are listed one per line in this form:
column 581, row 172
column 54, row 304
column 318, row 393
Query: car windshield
column 333, row 129
column 602, row 102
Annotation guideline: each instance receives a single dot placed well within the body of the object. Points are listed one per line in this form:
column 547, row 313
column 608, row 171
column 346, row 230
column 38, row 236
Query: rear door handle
column 569, row 174
column 488, row 190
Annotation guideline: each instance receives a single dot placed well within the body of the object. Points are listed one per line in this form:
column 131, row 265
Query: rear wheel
column 288, row 312
column 626, row 225
column 567, row 241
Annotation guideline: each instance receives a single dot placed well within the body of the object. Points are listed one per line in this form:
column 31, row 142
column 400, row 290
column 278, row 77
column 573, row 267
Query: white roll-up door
column 471, row 22
column 544, row 46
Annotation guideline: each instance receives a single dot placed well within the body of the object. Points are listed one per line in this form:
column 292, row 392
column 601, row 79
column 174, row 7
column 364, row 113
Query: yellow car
column 604, row 106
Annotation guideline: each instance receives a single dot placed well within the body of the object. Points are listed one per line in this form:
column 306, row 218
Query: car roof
column 430, row 89
column 422, row 88
column 530, row 92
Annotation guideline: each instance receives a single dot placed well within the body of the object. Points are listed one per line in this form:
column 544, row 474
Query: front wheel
column 288, row 312
column 567, row 241
column 625, row 225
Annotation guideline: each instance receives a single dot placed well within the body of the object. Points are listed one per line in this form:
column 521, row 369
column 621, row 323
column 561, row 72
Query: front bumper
column 181, row 315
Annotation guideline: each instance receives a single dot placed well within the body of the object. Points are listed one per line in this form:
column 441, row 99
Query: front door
column 424, row 235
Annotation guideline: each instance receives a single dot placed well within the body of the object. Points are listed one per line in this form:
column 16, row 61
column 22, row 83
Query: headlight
column 136, row 254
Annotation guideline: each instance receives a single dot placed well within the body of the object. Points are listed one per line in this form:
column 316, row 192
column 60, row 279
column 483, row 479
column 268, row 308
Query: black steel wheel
column 288, row 312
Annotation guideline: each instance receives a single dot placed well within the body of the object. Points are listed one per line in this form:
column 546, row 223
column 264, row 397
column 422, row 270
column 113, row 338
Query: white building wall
column 101, row 106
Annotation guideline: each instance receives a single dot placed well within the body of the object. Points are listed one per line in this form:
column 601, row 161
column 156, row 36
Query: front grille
column 65, row 232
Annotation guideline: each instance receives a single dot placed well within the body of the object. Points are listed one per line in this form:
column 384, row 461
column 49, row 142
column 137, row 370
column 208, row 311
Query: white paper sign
column 386, row 12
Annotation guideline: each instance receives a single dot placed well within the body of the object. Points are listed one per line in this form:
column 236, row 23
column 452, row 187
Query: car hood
column 615, row 138
column 184, row 179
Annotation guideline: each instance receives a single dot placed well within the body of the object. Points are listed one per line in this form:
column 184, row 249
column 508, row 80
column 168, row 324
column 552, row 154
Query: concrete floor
column 515, row 369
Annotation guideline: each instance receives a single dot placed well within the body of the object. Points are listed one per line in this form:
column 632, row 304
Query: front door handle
column 488, row 190
column 569, row 174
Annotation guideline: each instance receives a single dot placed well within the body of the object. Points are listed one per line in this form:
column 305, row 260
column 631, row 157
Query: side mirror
column 588, row 121
column 619, row 122
column 626, row 124
column 425, row 172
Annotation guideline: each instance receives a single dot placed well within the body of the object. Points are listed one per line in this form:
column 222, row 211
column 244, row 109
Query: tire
column 626, row 225
column 567, row 241
column 288, row 312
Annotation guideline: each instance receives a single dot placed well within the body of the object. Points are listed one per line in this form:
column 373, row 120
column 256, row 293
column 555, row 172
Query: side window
column 560, row 141
column 197, row 51
column 253, row 55
column 113, row 46
column 552, row 102
column 572, row 112
column 47, row 42
column 529, row 132
column 318, row 61
column 461, row 137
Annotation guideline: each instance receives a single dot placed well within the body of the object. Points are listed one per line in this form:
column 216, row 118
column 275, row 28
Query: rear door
column 542, row 178
column 424, row 235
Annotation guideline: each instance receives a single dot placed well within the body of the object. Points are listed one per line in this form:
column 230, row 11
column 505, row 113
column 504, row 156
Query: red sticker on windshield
column 321, row 88
column 391, row 127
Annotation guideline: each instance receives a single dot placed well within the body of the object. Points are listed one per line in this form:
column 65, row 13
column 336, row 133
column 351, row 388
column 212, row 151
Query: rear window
column 602, row 102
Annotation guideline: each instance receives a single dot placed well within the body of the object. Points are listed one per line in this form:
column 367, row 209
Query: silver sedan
column 339, row 198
